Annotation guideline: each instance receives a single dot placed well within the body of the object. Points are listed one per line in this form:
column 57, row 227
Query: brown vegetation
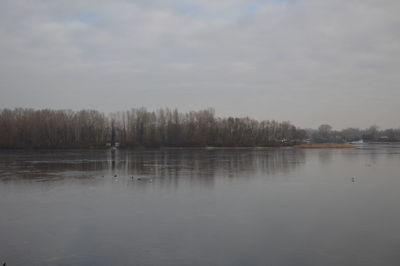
column 325, row 145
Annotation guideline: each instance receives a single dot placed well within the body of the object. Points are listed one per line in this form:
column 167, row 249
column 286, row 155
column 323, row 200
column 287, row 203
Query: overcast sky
column 304, row 61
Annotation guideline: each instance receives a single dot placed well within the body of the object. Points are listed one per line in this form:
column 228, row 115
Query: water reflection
column 90, row 208
column 325, row 156
column 163, row 165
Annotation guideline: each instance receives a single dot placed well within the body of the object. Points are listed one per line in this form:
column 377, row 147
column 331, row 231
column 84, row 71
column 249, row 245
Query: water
column 201, row 207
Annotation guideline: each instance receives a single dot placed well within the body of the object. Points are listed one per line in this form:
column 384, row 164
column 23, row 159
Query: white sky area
column 304, row 61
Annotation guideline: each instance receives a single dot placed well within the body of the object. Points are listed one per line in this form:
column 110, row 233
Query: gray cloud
column 306, row 61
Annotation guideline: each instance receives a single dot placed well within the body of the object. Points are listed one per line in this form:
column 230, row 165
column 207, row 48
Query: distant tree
column 371, row 133
column 323, row 134
column 351, row 134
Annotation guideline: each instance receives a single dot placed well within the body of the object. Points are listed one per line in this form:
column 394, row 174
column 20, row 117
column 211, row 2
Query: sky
column 304, row 61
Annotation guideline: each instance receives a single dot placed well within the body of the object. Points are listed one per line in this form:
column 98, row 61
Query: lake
column 201, row 207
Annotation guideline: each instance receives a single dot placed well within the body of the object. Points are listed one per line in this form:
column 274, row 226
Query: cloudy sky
column 305, row 61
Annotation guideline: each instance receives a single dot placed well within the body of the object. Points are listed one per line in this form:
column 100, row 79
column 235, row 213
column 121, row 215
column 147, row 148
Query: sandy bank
column 325, row 146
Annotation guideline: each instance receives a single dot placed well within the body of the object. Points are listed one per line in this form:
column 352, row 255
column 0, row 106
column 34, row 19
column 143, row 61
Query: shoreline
column 325, row 146
column 297, row 146
column 383, row 142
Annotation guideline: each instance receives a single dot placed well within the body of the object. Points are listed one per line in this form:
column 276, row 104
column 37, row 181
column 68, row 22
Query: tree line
column 29, row 128
column 325, row 134
column 138, row 127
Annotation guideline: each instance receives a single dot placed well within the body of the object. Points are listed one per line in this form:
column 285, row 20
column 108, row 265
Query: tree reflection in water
column 163, row 166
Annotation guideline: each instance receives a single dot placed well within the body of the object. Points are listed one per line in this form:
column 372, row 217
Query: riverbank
column 223, row 148
column 325, row 146
column 384, row 142
column 300, row 146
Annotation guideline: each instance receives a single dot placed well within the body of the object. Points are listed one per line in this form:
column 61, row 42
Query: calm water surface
column 201, row 207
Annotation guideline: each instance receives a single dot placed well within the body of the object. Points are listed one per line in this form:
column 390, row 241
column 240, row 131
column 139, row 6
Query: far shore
column 296, row 146
column 224, row 148
column 384, row 142
column 325, row 146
